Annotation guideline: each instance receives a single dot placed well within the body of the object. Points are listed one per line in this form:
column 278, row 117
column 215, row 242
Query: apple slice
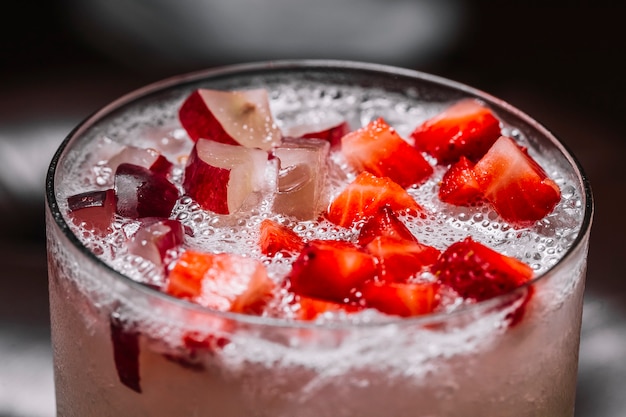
column 155, row 238
column 143, row 193
column 94, row 210
column 301, row 177
column 145, row 157
column 221, row 177
column 231, row 117
column 326, row 124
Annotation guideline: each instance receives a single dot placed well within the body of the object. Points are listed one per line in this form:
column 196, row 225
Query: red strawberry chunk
column 400, row 259
column 467, row 128
column 477, row 272
column 276, row 238
column 310, row 308
column 401, row 299
column 459, row 185
column 223, row 282
column 515, row 185
column 331, row 270
column 365, row 196
column 384, row 223
column 378, row 149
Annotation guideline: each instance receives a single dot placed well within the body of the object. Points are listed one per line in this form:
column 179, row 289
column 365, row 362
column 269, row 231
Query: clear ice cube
column 301, row 177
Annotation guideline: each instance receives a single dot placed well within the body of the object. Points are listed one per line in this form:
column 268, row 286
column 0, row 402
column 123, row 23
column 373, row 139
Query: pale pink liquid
column 470, row 363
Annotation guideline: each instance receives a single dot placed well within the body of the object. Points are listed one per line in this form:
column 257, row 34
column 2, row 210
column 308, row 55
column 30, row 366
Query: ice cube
column 301, row 177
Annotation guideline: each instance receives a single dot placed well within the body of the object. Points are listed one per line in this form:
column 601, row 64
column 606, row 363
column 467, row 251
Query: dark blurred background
column 60, row 60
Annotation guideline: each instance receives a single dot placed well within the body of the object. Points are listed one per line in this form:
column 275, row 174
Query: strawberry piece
column 467, row 128
column 401, row 299
column 331, row 270
column 477, row 272
column 384, row 223
column 400, row 259
column 459, row 185
column 223, row 282
column 378, row 149
column 310, row 308
column 94, row 210
column 230, row 117
column 276, row 238
column 365, row 196
column 515, row 185
column 332, row 134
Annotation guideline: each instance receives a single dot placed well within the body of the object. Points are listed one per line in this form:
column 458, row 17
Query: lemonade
column 133, row 334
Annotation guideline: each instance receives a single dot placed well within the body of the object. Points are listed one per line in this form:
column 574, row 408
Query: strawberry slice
column 276, row 238
column 477, row 272
column 459, row 185
column 467, row 128
column 365, row 196
column 384, row 223
column 331, row 270
column 223, row 282
column 310, row 308
column 400, row 299
column 399, row 259
column 515, row 185
column 378, row 149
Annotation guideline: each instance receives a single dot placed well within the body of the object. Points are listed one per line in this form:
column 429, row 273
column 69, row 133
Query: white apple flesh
column 222, row 177
column 231, row 117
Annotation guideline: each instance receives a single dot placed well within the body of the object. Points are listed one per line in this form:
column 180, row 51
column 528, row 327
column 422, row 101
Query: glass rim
column 337, row 65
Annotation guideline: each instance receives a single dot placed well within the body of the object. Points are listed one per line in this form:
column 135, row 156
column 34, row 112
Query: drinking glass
column 122, row 348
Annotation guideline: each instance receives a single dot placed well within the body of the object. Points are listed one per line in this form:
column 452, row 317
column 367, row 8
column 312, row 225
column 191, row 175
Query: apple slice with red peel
column 94, row 210
column 301, row 177
column 143, row 193
column 224, row 282
column 221, row 177
column 156, row 238
column 332, row 134
column 325, row 124
column 144, row 157
column 231, row 117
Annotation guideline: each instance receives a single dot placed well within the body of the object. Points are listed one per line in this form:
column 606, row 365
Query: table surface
column 39, row 106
